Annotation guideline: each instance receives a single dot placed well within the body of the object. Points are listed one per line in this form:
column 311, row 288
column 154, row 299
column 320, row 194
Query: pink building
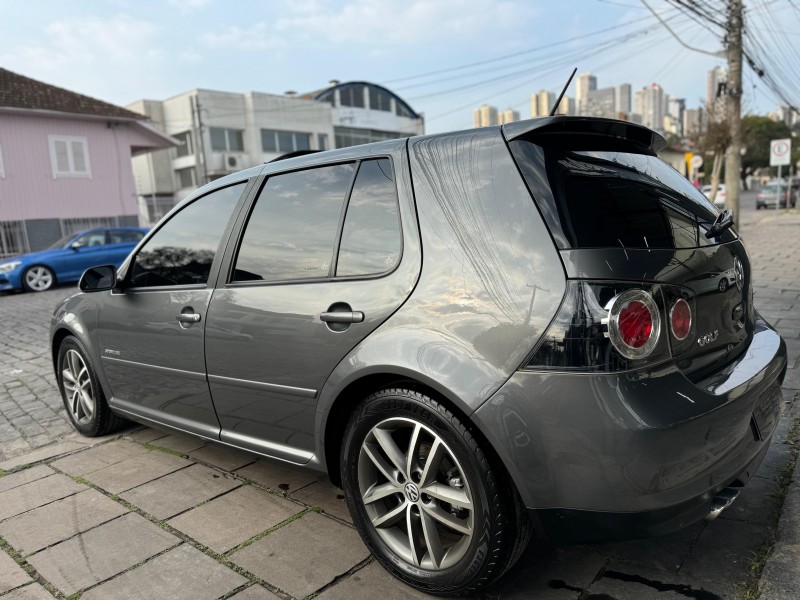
column 65, row 163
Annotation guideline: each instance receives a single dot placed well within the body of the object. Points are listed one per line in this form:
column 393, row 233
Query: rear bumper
column 637, row 453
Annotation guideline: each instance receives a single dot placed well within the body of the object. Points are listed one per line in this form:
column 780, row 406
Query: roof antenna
column 555, row 106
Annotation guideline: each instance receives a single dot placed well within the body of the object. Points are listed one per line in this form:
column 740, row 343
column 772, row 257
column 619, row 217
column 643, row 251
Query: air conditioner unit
column 232, row 162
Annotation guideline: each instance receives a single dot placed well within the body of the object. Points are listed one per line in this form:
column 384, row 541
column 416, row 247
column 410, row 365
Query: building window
column 2, row 166
column 226, row 139
column 352, row 96
column 273, row 140
column 379, row 100
column 352, row 136
column 322, row 141
column 13, row 239
column 186, row 148
column 69, row 156
column 185, row 177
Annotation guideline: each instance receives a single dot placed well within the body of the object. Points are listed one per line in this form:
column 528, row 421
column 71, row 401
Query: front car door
column 318, row 267
column 151, row 333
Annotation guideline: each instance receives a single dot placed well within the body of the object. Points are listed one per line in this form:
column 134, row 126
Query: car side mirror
column 76, row 245
column 98, row 279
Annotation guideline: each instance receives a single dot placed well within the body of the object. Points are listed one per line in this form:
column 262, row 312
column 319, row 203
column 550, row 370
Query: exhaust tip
column 721, row 501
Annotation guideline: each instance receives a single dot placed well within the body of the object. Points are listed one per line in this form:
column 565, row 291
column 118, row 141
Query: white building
column 223, row 132
column 716, row 92
column 508, row 115
column 649, row 103
column 484, row 116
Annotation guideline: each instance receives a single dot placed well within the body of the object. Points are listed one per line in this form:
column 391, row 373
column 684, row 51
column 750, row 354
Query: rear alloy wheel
column 38, row 279
column 425, row 498
column 81, row 392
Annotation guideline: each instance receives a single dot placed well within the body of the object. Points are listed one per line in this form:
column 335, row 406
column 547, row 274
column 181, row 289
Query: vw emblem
column 738, row 273
column 412, row 492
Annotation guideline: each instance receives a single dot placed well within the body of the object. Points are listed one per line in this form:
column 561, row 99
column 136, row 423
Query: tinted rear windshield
column 608, row 198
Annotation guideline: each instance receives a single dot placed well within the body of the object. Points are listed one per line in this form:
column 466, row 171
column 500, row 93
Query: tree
column 757, row 133
column 716, row 141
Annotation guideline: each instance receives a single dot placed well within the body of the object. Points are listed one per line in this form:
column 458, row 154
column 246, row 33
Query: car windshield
column 60, row 243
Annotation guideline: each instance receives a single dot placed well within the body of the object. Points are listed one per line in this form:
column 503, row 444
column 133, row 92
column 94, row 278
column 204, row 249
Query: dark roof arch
column 323, row 95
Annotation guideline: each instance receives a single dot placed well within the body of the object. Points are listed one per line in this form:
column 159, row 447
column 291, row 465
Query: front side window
column 371, row 238
column 182, row 250
column 93, row 238
column 292, row 228
column 69, row 156
column 226, row 140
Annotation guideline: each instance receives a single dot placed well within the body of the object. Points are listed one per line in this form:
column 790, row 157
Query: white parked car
column 719, row 200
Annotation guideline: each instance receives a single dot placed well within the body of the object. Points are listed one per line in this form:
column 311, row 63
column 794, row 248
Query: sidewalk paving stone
column 277, row 477
column 101, row 553
column 145, row 435
column 136, row 471
column 183, row 573
column 29, row 592
column 304, row 555
column 11, row 574
column 36, row 493
column 327, row 496
column 179, row 442
column 99, row 457
column 41, row 454
column 179, row 491
column 221, row 457
column 362, row 585
column 724, row 551
column 37, row 529
column 22, row 477
column 229, row 520
column 254, row 592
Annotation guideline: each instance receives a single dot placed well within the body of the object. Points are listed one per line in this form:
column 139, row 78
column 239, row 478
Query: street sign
column 697, row 162
column 780, row 152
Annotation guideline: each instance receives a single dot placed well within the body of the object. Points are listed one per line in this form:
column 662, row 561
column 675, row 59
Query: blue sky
column 121, row 50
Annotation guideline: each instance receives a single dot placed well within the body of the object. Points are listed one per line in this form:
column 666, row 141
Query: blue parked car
column 68, row 258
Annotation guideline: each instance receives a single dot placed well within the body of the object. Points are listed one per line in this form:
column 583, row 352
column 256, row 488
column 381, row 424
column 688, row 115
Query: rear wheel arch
column 351, row 396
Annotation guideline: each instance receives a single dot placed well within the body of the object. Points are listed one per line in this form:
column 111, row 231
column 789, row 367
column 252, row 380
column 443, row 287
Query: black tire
column 38, row 278
column 500, row 527
column 73, row 359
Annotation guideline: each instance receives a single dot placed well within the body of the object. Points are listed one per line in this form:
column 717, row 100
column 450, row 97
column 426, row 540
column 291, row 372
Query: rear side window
column 291, row 232
column 371, row 239
column 182, row 250
column 603, row 198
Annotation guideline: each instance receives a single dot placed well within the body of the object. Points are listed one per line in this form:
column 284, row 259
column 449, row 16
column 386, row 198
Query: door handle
column 188, row 318
column 354, row 316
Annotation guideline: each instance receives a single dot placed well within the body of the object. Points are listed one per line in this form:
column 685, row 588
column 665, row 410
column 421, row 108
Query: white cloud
column 381, row 22
column 189, row 5
column 87, row 41
column 256, row 37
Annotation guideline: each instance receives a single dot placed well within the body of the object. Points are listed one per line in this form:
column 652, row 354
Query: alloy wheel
column 415, row 493
column 39, row 279
column 77, row 387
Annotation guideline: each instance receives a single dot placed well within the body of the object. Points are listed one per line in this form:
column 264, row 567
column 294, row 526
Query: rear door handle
column 188, row 318
column 354, row 316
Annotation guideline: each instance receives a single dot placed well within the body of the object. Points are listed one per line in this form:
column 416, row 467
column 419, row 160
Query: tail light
column 634, row 324
column 680, row 319
column 606, row 326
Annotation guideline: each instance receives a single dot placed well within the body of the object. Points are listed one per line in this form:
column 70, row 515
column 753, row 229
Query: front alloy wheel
column 433, row 507
column 78, row 394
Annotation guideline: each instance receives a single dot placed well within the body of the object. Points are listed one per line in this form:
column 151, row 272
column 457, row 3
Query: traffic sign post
column 780, row 152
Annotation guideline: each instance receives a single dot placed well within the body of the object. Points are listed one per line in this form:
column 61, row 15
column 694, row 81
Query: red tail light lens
column 680, row 319
column 634, row 324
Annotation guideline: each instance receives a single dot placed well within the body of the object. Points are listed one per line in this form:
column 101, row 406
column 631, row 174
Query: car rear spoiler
column 585, row 126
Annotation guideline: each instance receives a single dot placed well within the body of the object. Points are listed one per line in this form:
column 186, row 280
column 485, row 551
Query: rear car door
column 151, row 333
column 318, row 267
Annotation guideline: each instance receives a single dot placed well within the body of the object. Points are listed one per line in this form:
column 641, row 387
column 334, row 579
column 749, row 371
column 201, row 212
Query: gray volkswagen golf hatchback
column 479, row 335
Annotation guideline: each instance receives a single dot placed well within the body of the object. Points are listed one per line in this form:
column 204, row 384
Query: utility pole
column 200, row 147
column 733, row 157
